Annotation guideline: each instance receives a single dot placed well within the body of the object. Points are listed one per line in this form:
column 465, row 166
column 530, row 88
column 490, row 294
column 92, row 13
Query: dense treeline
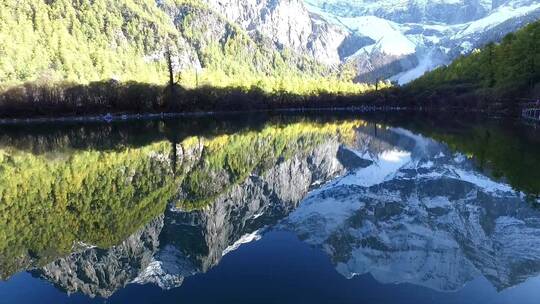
column 502, row 73
column 35, row 100
column 80, row 40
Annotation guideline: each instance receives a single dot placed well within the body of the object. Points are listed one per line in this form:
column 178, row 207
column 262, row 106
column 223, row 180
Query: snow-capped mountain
column 402, row 39
column 391, row 39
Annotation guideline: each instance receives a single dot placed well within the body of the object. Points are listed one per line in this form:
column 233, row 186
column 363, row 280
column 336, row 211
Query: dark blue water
column 279, row 268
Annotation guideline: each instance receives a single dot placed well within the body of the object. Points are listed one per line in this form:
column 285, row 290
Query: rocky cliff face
column 421, row 215
column 100, row 272
column 262, row 30
column 397, row 40
column 410, row 11
column 288, row 24
column 392, row 39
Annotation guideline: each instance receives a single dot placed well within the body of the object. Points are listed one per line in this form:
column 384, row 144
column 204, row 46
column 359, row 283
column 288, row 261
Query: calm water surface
column 342, row 208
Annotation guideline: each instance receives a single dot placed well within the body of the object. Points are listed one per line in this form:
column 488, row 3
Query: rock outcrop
column 288, row 24
column 100, row 272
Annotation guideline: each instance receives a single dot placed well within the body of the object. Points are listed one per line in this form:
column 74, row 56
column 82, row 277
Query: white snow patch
column 388, row 162
column 167, row 270
column 389, row 39
column 483, row 182
column 466, row 47
column 425, row 64
column 497, row 17
column 246, row 238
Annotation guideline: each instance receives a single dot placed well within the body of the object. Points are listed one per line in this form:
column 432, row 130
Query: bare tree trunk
column 168, row 57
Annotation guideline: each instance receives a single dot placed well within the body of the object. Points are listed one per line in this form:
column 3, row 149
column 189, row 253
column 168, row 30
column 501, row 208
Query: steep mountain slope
column 414, row 36
column 92, row 40
column 288, row 23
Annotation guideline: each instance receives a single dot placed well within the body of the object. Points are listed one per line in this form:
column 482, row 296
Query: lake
column 259, row 208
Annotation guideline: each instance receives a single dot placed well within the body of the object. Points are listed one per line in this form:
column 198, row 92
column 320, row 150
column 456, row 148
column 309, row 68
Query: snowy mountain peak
column 410, row 37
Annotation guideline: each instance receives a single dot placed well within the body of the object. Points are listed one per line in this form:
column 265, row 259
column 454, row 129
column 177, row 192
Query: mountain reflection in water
column 159, row 205
column 420, row 214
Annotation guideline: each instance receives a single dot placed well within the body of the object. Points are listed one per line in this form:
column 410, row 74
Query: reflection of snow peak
column 247, row 238
column 394, row 156
column 168, row 270
column 422, row 215
column 387, row 162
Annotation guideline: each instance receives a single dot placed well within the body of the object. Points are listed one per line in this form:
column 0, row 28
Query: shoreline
column 111, row 117
column 116, row 117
